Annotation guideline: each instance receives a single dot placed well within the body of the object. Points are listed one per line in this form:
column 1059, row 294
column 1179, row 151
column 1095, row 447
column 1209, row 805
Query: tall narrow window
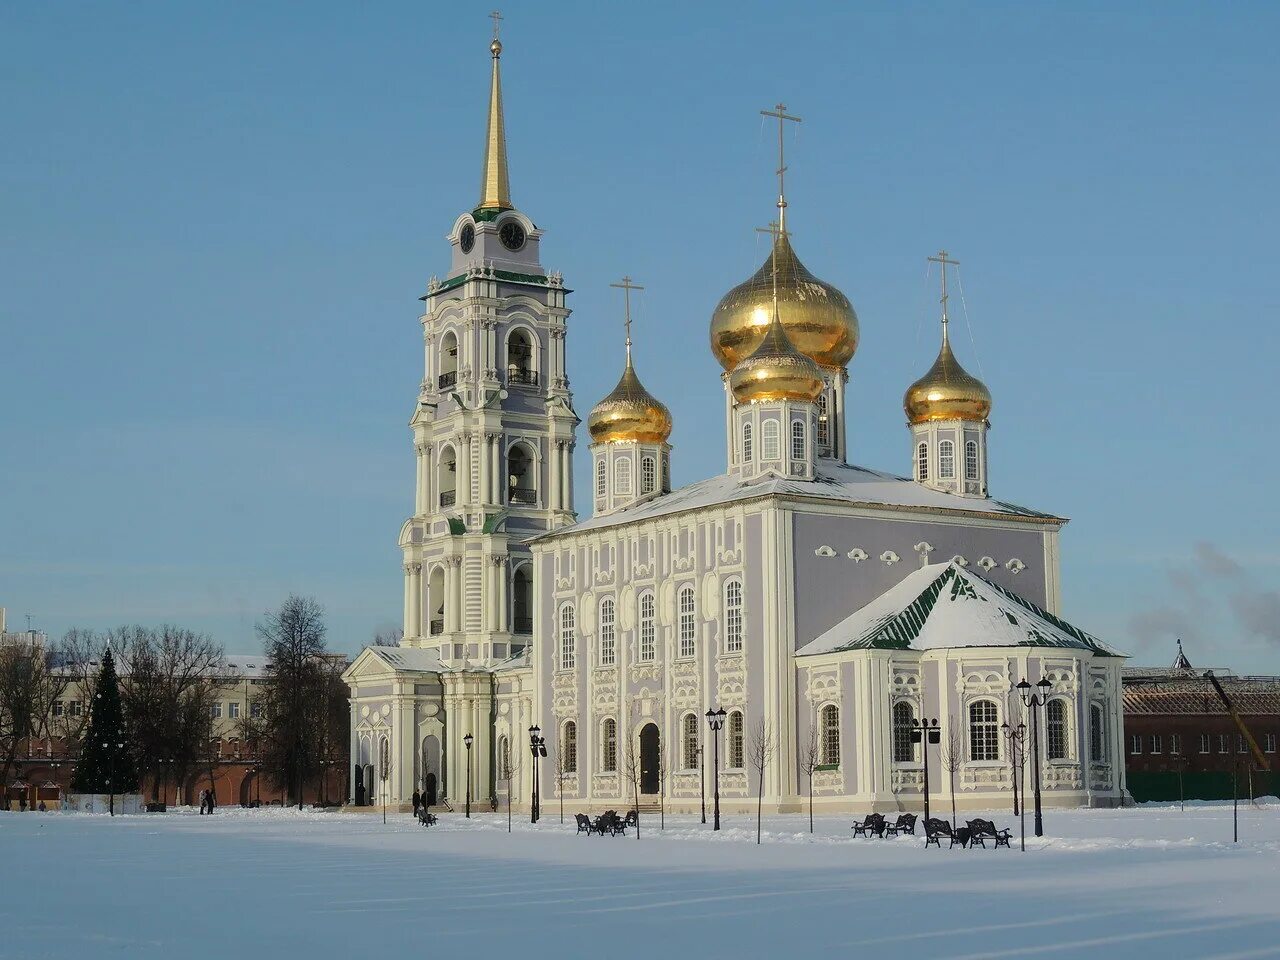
column 922, row 461
column 904, row 751
column 984, row 731
column 666, row 473
column 607, row 638
column 609, row 746
column 1157, row 744
column 824, row 431
column 689, row 739
column 1204, row 743
column 971, row 460
column 622, row 475
column 1135, row 743
column 1055, row 724
column 1175, row 744
column 797, row 440
column 688, row 624
column 770, row 441
column 747, row 452
column 602, row 477
column 1222, row 743
column 647, row 644
column 1097, row 734
column 569, row 747
column 830, row 733
column 733, row 616
column 733, row 741
column 1268, row 743
column 648, row 475
column 568, row 638
column 946, row 460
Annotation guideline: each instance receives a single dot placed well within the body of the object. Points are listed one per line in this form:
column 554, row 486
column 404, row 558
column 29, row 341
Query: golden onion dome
column 630, row 412
column 947, row 391
column 818, row 318
column 776, row 370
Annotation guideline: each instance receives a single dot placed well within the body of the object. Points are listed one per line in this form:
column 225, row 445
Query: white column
column 464, row 470
column 566, row 476
column 495, row 473
column 500, row 575
column 354, row 755
column 551, row 496
column 484, row 467
column 457, row 593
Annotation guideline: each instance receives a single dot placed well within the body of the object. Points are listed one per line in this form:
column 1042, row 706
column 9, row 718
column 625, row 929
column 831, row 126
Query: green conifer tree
column 104, row 766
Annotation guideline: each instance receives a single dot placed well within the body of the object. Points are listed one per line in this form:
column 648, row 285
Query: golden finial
column 626, row 285
column 780, row 113
column 495, row 185
column 630, row 412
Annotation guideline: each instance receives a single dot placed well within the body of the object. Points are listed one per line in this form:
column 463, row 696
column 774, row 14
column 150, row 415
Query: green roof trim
column 456, row 527
column 528, row 279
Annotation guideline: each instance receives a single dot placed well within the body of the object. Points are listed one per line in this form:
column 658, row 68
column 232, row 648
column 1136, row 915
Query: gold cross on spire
column 780, row 113
column 627, row 286
column 495, row 16
column 945, row 259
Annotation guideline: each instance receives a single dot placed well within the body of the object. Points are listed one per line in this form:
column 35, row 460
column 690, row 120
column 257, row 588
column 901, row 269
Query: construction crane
column 1259, row 757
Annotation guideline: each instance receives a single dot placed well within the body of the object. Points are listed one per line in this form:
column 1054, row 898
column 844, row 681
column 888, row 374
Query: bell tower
column 493, row 426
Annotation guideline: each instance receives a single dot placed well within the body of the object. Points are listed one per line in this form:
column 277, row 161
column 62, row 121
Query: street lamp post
column 924, row 732
column 715, row 720
column 537, row 749
column 1017, row 737
column 468, row 740
column 1032, row 701
column 702, row 774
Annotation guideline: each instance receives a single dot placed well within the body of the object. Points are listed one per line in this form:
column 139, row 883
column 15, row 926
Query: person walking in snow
column 417, row 801
column 204, row 799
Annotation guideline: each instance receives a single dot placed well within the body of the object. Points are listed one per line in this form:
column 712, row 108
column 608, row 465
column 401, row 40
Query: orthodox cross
column 944, row 259
column 495, row 17
column 779, row 112
column 627, row 286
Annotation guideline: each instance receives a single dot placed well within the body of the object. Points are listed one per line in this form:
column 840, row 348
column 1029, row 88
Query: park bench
column 906, row 824
column 427, row 818
column 873, row 825
column 935, row 830
column 982, row 830
column 584, row 824
column 632, row 819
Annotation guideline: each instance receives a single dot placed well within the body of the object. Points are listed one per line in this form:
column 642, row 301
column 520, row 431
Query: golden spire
column 495, row 187
column 780, row 113
column 629, row 412
column 947, row 391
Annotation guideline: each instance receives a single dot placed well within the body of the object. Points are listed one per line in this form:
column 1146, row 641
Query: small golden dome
column 630, row 412
column 776, row 370
column 818, row 318
column 947, row 392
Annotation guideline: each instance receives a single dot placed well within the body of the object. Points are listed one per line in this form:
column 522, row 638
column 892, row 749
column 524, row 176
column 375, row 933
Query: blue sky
column 215, row 221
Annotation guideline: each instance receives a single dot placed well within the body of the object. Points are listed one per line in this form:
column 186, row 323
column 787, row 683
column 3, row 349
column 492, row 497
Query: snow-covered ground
column 1145, row 882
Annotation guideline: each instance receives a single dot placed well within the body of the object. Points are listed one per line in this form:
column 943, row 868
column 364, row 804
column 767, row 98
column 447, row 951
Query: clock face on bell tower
column 468, row 238
column 512, row 235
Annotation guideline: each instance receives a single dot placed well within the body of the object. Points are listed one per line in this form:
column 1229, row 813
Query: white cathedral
column 807, row 604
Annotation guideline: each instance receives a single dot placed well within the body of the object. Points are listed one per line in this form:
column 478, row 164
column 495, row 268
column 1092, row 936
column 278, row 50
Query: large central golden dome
column 630, row 412
column 818, row 318
column 947, row 391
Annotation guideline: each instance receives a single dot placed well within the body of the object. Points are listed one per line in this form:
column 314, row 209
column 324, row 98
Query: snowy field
column 1146, row 882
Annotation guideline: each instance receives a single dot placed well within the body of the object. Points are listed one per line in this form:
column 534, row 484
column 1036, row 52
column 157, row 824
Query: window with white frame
column 733, row 616
column 984, row 730
column 1205, row 744
column 602, row 477
column 666, row 473
column 971, row 460
column 648, row 475
column 688, row 623
column 647, row 644
column 734, row 729
column 609, row 746
column 922, row 461
column 1241, row 745
column 1268, row 743
column 568, row 638
column 747, row 452
column 569, row 746
column 607, row 638
column 770, row 441
column 1135, row 744
column 946, row 460
column 1175, row 744
column 824, row 432
column 57, row 708
column 215, row 711
column 233, row 710
column 622, row 475
column 1055, row 713
column 74, row 708
column 1157, row 743
column 689, row 741
column 1222, row 743
column 904, row 748
column 1097, row 734
column 797, row 440
column 829, row 731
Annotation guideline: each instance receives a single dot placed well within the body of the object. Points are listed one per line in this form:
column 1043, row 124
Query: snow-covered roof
column 252, row 666
column 944, row 605
column 413, row 659
column 843, row 483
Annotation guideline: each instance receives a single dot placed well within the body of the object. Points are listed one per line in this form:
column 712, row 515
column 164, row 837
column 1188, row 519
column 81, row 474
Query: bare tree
column 952, row 756
column 810, row 756
column 632, row 774
column 662, row 784
column 387, row 637
column 759, row 753
column 30, row 684
column 508, row 771
column 562, row 772
column 384, row 772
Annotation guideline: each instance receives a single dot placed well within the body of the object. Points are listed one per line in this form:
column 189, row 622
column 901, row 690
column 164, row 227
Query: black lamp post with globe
column 1033, row 701
column 538, row 750
column 715, row 720
column 924, row 732
column 467, row 741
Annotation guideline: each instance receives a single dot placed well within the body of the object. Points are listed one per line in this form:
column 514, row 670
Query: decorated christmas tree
column 106, row 758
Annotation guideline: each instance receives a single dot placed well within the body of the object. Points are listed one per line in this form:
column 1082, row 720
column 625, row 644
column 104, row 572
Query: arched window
column 448, row 362
column 946, row 460
column 647, row 644
column 569, row 747
column 770, row 441
column 648, row 475
column 797, row 440
column 971, row 460
column 688, row 625
column 437, row 600
column 829, row 731
column 609, row 746
column 922, row 461
column 602, row 478
column 824, row 431
column 734, row 755
column 733, row 616
column 747, row 452
column 1098, row 736
column 666, row 473
column 1055, row 729
column 607, row 644
column 568, row 638
column 522, row 475
column 520, row 369
column 522, row 599
column 447, row 485
column 984, row 731
column 904, row 750
column 689, row 741
column 622, row 475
